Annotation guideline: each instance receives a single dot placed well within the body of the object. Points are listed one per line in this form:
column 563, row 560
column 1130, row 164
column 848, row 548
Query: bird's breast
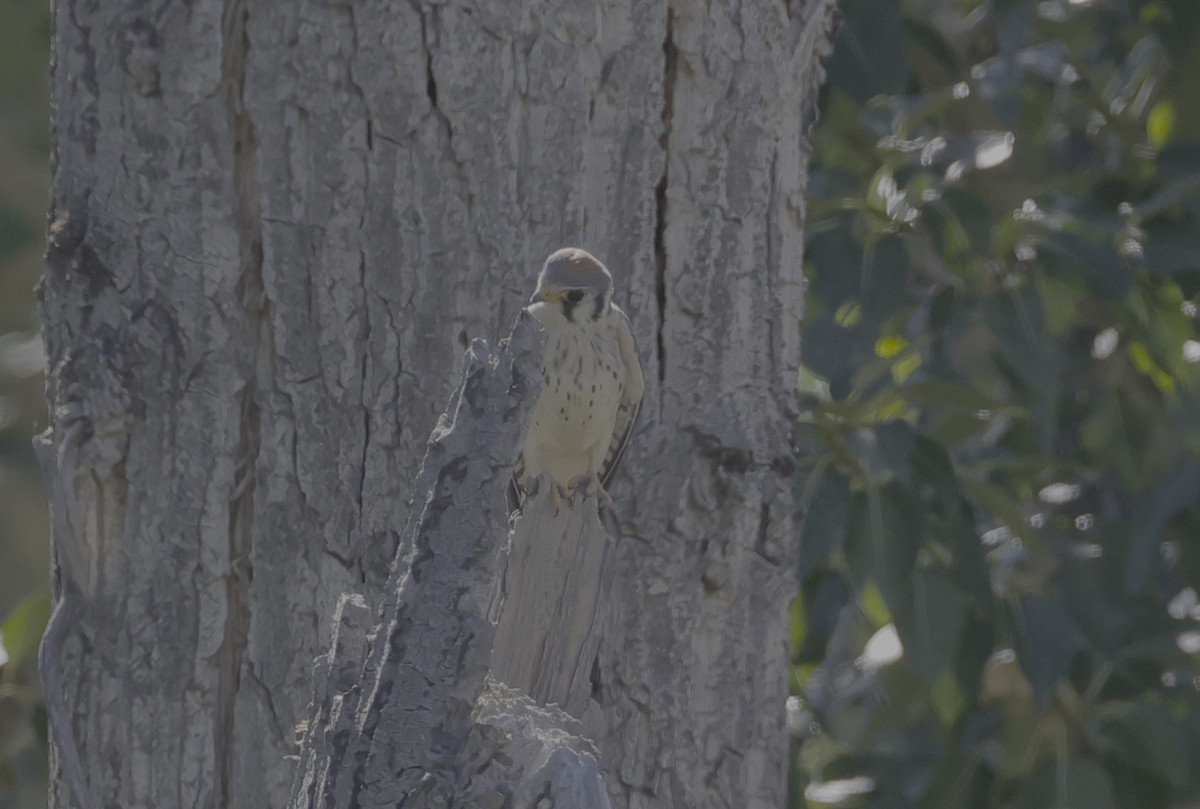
column 581, row 388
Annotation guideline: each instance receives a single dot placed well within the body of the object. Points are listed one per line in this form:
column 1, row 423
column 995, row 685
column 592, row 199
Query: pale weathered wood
column 556, row 589
column 330, row 719
column 276, row 226
column 530, row 755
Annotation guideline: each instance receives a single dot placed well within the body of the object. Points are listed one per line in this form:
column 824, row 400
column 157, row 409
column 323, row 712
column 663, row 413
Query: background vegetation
column 1002, row 452
column 24, row 189
column 1001, row 556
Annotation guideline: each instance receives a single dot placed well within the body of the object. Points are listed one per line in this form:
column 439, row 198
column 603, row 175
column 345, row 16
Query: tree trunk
column 275, row 227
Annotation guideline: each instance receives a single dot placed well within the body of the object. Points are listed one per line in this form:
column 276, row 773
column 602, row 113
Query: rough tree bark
column 275, row 227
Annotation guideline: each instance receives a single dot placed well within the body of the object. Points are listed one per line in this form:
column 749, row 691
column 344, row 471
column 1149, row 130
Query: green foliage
column 1000, row 557
column 22, row 718
column 24, row 184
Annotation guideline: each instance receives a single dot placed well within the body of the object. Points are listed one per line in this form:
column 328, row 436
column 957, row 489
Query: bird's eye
column 574, row 296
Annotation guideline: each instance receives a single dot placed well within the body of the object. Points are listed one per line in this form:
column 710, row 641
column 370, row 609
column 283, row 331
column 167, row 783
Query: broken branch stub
column 401, row 715
column 554, row 612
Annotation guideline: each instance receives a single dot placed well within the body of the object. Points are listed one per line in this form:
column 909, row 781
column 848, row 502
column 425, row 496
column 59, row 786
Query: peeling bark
column 275, row 227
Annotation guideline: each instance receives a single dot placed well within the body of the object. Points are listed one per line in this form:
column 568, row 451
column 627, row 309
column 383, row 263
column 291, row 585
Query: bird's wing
column 631, row 398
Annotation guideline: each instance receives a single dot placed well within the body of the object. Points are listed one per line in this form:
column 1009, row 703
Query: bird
column 592, row 383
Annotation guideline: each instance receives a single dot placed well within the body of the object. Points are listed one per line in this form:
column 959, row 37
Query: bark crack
column 430, row 81
column 773, row 212
column 431, row 89
column 660, row 193
column 366, row 408
column 250, row 292
column 428, row 15
column 365, row 334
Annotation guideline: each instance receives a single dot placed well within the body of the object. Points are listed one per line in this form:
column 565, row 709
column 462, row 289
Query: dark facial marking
column 569, row 302
column 599, row 308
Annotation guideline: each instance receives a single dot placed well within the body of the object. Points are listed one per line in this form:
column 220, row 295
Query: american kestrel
column 591, row 381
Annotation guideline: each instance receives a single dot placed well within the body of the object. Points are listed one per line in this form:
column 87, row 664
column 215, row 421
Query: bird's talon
column 584, row 480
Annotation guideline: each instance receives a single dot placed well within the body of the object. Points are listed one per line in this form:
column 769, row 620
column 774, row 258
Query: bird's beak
column 544, row 295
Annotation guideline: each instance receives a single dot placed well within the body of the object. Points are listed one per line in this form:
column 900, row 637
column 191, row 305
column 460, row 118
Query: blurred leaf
column 947, row 698
column 930, row 625
column 1108, row 272
column 870, row 598
column 1070, row 782
column 824, row 599
column 929, row 39
column 998, row 83
column 1160, row 124
column 868, row 58
column 1177, row 491
column 1013, row 24
column 1046, row 643
column 934, row 392
column 998, row 503
column 1015, row 320
column 1145, row 735
column 976, row 647
column 1045, row 59
column 895, row 440
column 1173, row 252
column 1085, row 784
column 22, row 629
column 882, row 544
column 962, row 222
column 888, row 347
column 14, row 233
column 825, row 520
column 1097, row 617
column 885, row 273
column 1179, row 160
column 1126, row 90
column 796, row 619
column 1145, row 365
column 1183, row 186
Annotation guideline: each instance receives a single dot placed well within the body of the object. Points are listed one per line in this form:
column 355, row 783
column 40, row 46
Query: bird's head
column 573, row 284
